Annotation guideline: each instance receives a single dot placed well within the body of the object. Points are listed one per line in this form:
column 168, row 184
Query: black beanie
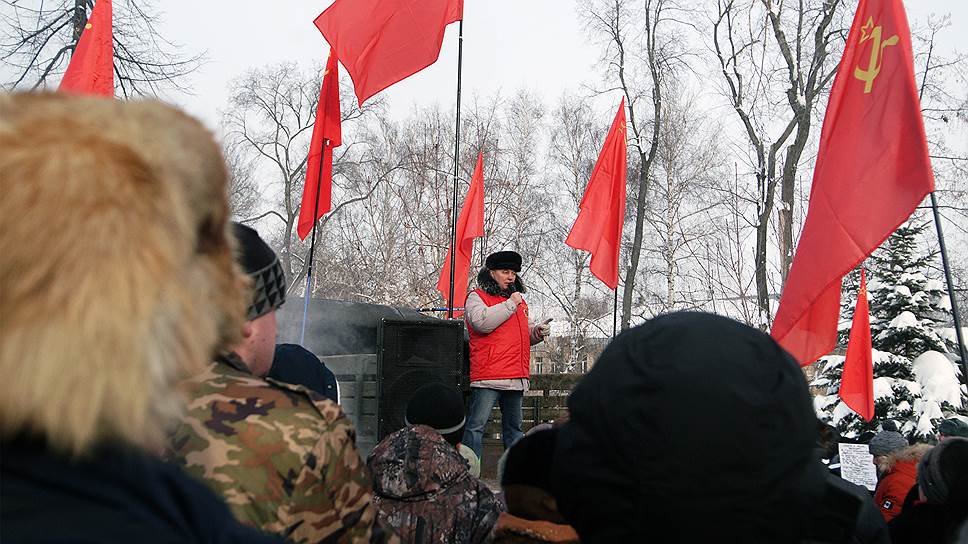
column 261, row 264
column 528, row 461
column 942, row 475
column 440, row 407
column 690, row 417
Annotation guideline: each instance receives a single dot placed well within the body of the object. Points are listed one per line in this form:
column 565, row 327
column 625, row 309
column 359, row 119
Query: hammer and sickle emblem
column 869, row 74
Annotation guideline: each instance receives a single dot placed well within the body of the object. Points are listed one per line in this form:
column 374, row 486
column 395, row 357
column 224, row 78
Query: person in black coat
column 114, row 493
column 943, row 502
column 297, row 365
column 696, row 428
column 117, row 277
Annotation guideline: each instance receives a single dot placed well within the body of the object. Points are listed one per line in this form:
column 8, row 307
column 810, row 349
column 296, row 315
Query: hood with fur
column 912, row 453
column 489, row 286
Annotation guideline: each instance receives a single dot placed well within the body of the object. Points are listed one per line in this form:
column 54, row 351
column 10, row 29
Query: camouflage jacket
column 284, row 458
column 424, row 492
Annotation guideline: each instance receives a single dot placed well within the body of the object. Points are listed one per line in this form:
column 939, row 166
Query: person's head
column 440, row 407
column 504, row 267
column 690, row 416
column 117, row 271
column 526, row 477
column 258, row 344
column 295, row 364
column 885, row 443
column 943, row 476
column 952, row 428
column 829, row 438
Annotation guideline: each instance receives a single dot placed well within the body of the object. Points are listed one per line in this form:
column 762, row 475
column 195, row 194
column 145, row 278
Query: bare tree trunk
column 80, row 19
column 646, row 156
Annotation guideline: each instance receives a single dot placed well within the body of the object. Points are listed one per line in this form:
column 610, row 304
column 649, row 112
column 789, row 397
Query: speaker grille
column 412, row 354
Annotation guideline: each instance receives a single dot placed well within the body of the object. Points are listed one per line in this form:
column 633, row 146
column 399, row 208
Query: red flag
column 381, row 42
column 91, row 70
column 872, row 171
column 598, row 227
column 470, row 225
column 857, row 379
column 327, row 134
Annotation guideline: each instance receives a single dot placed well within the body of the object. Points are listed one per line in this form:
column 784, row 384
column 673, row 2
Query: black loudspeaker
column 409, row 355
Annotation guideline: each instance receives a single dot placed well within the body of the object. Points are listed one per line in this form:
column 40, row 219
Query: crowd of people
column 145, row 399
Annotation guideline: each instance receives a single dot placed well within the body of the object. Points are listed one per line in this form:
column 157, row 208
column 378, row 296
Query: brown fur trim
column 118, row 275
column 910, row 453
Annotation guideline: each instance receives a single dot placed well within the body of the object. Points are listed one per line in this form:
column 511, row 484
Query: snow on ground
column 938, row 380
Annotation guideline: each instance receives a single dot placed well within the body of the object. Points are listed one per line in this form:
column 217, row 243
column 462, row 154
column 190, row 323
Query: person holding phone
column 501, row 337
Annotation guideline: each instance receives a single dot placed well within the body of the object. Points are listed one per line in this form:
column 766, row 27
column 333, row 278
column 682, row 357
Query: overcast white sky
column 508, row 44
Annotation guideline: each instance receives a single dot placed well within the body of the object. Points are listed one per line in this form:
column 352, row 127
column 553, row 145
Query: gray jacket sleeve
column 483, row 318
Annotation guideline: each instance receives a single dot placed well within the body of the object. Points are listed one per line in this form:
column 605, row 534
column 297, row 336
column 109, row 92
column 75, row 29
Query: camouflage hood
column 415, row 463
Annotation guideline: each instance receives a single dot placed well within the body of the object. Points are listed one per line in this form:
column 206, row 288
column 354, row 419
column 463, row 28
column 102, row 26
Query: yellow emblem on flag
column 870, row 32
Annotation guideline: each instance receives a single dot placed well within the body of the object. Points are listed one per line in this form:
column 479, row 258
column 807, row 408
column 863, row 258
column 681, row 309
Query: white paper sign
column 857, row 465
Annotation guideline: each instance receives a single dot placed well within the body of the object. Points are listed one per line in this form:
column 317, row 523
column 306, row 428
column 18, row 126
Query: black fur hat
column 503, row 260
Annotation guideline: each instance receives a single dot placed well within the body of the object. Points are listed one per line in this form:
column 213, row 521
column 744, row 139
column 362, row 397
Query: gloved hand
column 544, row 329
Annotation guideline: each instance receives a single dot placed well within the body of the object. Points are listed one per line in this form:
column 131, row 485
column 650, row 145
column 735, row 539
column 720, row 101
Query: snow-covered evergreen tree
column 916, row 381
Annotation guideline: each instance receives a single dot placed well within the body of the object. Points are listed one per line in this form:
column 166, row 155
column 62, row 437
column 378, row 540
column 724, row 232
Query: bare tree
column 270, row 116
column 745, row 34
column 642, row 51
column 39, row 37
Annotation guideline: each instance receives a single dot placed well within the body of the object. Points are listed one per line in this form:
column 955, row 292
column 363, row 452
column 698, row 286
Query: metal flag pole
column 312, row 244
column 951, row 289
column 615, row 312
column 453, row 210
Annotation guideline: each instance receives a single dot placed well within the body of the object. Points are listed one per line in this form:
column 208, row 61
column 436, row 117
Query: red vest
column 505, row 352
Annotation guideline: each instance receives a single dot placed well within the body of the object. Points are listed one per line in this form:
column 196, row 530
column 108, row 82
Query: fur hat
column 262, row 265
column 117, row 274
column 440, row 407
column 886, row 443
column 503, row 260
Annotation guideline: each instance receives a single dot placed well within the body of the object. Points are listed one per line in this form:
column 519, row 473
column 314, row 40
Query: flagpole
column 951, row 288
column 453, row 210
column 615, row 312
column 312, row 243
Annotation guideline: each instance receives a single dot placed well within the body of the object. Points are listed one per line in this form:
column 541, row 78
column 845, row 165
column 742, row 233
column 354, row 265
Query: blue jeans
column 482, row 402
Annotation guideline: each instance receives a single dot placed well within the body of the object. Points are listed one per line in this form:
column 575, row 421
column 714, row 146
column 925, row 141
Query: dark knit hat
column 690, row 417
column 886, row 443
column 528, row 461
column 941, row 471
column 953, row 427
column 440, row 407
column 262, row 265
column 503, row 260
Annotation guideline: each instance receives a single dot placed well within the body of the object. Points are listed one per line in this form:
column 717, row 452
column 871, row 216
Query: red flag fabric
column 327, row 134
column 872, row 171
column 470, row 225
column 91, row 70
column 381, row 42
column 598, row 227
column 857, row 379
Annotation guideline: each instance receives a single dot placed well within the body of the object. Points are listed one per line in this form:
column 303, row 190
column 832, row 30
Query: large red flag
column 381, row 42
column 327, row 134
column 470, row 225
column 598, row 227
column 91, row 70
column 857, row 379
column 872, row 171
